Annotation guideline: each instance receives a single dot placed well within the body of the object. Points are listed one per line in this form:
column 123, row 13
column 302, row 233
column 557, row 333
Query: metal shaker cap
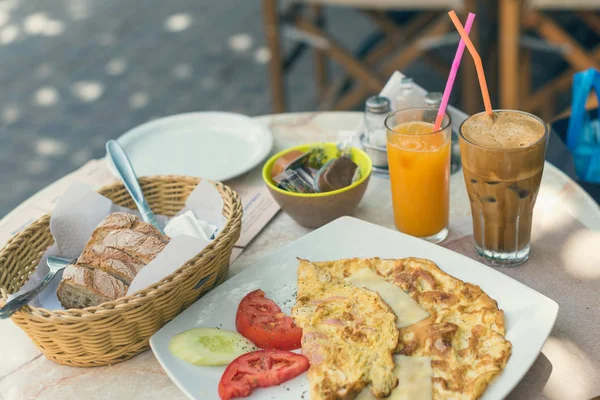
column 378, row 105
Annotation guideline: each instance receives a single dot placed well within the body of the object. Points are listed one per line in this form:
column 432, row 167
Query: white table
column 26, row 374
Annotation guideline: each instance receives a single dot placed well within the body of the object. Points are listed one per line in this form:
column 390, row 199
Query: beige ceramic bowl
column 313, row 210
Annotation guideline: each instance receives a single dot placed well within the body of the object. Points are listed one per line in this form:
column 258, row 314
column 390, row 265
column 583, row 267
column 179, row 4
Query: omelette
column 462, row 331
column 349, row 336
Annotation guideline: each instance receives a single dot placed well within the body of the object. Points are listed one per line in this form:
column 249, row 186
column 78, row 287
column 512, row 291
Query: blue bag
column 583, row 133
column 572, row 146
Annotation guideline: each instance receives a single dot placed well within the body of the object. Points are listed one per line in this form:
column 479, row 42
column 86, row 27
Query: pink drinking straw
column 452, row 76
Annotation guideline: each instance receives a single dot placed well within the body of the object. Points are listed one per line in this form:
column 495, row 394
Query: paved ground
column 75, row 73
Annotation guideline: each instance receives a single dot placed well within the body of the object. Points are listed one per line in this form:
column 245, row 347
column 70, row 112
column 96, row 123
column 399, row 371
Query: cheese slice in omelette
column 349, row 336
column 464, row 334
column 407, row 310
column 414, row 380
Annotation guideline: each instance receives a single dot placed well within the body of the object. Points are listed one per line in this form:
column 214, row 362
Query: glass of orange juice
column 419, row 163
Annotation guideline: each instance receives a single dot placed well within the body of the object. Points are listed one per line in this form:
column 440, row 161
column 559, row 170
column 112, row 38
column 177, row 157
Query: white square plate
column 529, row 315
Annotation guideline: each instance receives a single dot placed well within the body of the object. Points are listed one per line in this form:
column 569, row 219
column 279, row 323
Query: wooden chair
column 401, row 45
column 514, row 64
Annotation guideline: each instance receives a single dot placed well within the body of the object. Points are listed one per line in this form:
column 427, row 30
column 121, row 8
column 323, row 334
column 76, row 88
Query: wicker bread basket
column 118, row 330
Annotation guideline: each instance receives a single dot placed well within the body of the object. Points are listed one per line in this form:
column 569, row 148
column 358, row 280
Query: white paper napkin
column 79, row 211
column 180, row 249
column 188, row 224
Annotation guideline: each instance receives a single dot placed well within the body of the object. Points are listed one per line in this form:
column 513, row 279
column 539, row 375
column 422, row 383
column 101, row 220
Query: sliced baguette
column 119, row 248
column 82, row 287
column 139, row 245
column 117, row 220
column 147, row 229
column 120, row 221
column 113, row 261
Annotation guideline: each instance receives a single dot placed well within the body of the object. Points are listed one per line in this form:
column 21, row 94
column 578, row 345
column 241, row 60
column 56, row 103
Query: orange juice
column 419, row 163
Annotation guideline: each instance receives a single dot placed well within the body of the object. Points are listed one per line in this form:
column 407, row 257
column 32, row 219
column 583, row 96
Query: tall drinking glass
column 419, row 164
column 503, row 161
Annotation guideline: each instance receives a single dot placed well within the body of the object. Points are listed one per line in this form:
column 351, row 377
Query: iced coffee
column 503, row 161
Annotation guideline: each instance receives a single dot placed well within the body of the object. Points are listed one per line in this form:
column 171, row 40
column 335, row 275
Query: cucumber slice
column 209, row 346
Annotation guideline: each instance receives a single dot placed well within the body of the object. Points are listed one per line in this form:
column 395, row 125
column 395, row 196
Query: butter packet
column 292, row 181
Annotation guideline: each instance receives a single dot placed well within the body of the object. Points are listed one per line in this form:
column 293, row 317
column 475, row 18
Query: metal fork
column 56, row 264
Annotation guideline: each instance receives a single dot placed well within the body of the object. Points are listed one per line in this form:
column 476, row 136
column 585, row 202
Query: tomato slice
column 261, row 368
column 261, row 320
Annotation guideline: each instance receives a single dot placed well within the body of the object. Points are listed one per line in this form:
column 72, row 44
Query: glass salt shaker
column 433, row 100
column 408, row 97
column 377, row 109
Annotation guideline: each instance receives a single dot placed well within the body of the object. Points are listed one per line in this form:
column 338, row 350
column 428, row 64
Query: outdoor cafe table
column 26, row 374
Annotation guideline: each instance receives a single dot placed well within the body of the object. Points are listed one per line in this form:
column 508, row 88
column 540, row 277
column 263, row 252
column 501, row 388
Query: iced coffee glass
column 503, row 161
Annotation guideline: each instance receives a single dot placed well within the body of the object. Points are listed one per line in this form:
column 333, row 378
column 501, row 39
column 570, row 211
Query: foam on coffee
column 507, row 130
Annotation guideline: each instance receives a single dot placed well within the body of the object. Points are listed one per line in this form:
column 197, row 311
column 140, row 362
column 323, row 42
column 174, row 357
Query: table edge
column 266, row 118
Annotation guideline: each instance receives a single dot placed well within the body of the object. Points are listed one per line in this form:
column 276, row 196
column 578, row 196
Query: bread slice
column 139, row 245
column 117, row 220
column 120, row 221
column 147, row 229
column 120, row 246
column 83, row 287
column 113, row 261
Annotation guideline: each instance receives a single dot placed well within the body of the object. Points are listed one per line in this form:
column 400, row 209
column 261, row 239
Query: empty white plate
column 213, row 145
column 529, row 315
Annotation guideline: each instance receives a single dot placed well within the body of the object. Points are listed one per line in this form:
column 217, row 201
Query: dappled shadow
column 76, row 73
column 563, row 266
column 533, row 386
